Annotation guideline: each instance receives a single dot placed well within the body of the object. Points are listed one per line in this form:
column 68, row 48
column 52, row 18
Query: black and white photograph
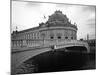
column 52, row 37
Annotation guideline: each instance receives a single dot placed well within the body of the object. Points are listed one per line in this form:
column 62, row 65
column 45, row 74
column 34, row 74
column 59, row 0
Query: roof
column 34, row 28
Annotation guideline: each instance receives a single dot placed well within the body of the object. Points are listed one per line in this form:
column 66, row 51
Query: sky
column 26, row 14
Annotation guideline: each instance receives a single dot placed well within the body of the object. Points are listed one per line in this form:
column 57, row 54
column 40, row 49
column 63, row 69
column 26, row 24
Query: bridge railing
column 22, row 44
column 34, row 43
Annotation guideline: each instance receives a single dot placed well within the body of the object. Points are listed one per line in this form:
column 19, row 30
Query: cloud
column 91, row 22
column 91, row 19
column 89, row 8
column 62, row 5
column 30, row 14
column 33, row 4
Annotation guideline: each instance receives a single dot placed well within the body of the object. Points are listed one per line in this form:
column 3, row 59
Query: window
column 43, row 35
column 71, row 37
column 66, row 37
column 52, row 37
column 59, row 37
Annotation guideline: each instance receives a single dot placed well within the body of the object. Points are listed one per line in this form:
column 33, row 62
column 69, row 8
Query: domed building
column 57, row 29
column 43, row 45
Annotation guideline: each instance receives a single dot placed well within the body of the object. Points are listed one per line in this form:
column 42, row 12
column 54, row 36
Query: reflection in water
column 60, row 60
column 53, row 61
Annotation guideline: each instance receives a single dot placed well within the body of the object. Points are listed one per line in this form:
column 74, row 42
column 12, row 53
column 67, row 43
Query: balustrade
column 44, row 43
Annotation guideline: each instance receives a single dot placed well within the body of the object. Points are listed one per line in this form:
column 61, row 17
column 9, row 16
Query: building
column 54, row 38
column 57, row 29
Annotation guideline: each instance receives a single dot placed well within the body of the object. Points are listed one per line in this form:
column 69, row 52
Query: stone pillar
column 24, row 43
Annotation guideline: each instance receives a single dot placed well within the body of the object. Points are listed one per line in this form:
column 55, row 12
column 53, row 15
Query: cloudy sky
column 29, row 14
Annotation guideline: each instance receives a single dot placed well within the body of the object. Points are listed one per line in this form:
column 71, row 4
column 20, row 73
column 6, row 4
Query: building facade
column 57, row 29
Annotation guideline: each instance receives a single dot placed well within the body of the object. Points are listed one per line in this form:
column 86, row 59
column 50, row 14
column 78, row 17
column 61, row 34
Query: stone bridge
column 20, row 55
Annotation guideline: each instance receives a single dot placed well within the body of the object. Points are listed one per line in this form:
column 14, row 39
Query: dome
column 58, row 19
column 58, row 16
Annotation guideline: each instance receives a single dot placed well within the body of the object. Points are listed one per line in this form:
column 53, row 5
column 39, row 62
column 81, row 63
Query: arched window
column 66, row 33
column 32, row 35
column 43, row 35
column 59, row 35
column 51, row 35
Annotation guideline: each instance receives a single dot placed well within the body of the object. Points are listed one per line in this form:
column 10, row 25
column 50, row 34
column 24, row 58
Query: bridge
column 22, row 54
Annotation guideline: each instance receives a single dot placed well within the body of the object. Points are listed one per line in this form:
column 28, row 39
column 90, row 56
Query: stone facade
column 57, row 28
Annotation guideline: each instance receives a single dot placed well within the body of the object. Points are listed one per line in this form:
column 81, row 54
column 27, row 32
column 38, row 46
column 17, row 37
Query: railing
column 26, row 43
column 20, row 45
column 40, row 43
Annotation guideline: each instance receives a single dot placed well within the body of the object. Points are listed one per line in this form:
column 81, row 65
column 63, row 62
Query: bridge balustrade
column 35, row 43
column 22, row 44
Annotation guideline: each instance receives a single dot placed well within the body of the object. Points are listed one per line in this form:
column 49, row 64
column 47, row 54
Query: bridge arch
column 20, row 56
column 77, row 49
column 45, row 58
